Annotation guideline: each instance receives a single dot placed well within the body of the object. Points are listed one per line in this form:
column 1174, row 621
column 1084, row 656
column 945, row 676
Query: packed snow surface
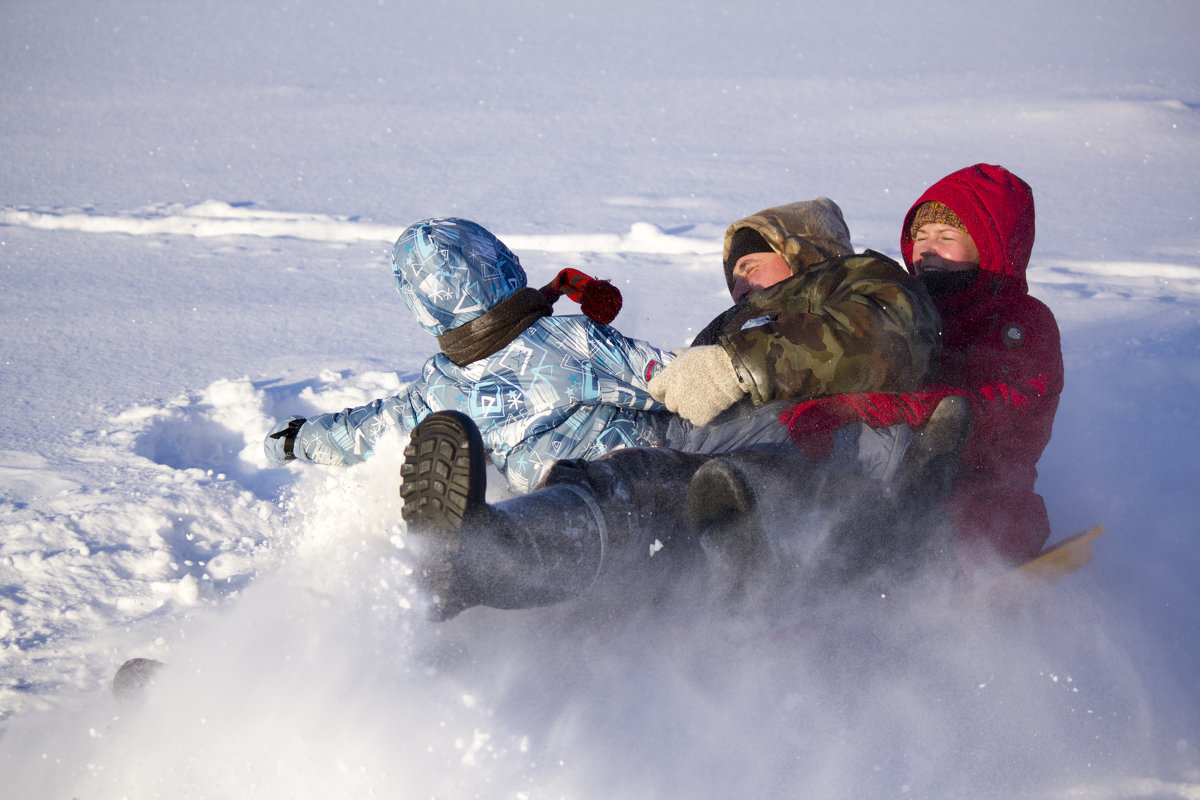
column 196, row 206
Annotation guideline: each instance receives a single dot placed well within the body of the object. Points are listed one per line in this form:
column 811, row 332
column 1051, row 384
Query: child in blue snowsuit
column 540, row 388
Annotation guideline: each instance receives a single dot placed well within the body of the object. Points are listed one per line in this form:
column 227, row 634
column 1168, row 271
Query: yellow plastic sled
column 1063, row 558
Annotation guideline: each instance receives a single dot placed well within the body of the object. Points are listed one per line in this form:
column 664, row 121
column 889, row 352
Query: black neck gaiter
column 941, row 283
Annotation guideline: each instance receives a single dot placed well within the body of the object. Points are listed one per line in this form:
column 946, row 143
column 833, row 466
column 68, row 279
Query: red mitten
column 598, row 299
column 882, row 409
column 811, row 423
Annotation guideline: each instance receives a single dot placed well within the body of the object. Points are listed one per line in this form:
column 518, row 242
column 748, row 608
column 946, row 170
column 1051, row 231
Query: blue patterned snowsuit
column 566, row 387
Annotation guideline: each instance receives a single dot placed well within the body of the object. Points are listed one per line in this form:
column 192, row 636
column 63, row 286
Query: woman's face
column 944, row 247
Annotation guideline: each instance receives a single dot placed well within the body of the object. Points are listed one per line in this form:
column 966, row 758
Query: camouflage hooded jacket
column 841, row 323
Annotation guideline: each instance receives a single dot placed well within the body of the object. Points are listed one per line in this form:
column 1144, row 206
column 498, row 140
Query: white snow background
column 196, row 205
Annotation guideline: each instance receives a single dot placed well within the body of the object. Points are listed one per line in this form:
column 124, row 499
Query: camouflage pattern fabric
column 855, row 323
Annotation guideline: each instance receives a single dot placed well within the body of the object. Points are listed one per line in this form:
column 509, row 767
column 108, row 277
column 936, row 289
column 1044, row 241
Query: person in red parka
column 968, row 238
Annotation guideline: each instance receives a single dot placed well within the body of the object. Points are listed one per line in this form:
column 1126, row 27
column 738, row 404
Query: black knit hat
column 744, row 242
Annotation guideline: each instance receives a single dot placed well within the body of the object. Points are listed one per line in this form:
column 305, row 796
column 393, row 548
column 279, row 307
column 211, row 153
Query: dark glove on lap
column 280, row 442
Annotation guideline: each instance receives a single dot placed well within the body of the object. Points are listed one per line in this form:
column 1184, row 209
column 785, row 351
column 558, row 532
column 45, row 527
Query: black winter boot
column 443, row 480
column 541, row 548
column 724, row 514
column 930, row 464
column 133, row 678
column 907, row 529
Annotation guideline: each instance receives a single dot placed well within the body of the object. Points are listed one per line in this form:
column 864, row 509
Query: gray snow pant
column 620, row 519
column 624, row 518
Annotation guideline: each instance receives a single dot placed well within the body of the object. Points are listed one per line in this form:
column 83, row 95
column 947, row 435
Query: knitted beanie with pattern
column 934, row 212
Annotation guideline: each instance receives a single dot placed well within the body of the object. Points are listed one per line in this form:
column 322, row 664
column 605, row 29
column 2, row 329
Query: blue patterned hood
column 451, row 271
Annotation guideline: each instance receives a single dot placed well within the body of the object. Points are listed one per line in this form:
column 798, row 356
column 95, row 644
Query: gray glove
column 699, row 384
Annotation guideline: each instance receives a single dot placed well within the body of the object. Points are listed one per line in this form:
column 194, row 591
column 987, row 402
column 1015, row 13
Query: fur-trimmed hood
column 803, row 233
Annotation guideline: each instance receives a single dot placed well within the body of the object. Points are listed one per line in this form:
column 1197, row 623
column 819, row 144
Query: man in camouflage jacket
column 825, row 321
column 811, row 318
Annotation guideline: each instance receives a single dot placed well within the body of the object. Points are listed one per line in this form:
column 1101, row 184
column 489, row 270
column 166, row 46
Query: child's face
column 944, row 247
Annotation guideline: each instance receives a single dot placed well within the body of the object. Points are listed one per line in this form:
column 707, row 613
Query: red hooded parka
column 1000, row 347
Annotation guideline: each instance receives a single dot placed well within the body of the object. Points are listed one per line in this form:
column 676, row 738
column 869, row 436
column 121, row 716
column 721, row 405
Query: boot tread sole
column 444, row 452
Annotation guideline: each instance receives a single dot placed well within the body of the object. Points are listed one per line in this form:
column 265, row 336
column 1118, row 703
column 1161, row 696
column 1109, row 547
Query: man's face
column 755, row 271
column 945, row 247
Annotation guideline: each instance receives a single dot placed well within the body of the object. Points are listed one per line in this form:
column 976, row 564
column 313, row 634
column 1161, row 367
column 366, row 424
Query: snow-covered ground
column 196, row 205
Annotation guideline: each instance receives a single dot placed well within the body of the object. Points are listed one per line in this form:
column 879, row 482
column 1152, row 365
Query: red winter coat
column 1000, row 348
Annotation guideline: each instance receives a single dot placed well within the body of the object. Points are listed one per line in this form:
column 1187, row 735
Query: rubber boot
column 930, row 464
column 723, row 510
column 537, row 549
column 134, row 677
column 894, row 534
column 620, row 521
column 926, row 478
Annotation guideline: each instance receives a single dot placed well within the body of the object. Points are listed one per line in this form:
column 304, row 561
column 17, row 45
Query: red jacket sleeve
column 1010, row 368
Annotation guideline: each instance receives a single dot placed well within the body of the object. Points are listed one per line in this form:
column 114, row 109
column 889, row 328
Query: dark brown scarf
column 483, row 336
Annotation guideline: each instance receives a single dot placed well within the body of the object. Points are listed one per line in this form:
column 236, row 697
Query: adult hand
column 699, row 384
column 280, row 441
